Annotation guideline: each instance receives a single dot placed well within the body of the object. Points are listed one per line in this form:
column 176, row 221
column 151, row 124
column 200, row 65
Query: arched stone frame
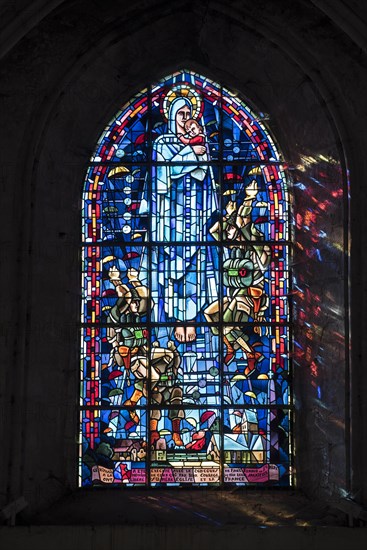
column 47, row 154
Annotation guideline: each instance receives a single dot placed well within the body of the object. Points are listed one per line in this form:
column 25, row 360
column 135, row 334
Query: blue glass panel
column 185, row 289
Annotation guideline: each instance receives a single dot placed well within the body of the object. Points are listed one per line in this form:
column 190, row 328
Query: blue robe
column 184, row 278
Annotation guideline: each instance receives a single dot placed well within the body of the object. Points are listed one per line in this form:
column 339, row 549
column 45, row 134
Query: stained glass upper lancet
column 185, row 315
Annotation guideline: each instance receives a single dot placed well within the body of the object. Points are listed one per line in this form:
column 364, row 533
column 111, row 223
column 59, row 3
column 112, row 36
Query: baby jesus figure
column 194, row 133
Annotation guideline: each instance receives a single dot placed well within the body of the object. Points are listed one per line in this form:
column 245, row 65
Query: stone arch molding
column 68, row 137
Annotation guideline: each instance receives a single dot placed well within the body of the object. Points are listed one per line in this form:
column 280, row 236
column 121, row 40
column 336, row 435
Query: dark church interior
column 67, row 67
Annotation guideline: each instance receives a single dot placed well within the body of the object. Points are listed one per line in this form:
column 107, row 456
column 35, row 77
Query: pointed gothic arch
column 185, row 314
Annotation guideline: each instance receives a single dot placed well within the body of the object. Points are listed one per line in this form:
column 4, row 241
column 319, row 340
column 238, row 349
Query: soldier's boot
column 176, row 432
column 154, row 434
column 134, row 399
column 230, row 351
column 252, row 359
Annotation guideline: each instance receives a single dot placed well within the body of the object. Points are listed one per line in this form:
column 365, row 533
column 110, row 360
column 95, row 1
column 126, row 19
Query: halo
column 182, row 90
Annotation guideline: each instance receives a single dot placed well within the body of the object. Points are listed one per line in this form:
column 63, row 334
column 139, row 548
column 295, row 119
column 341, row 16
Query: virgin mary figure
column 183, row 199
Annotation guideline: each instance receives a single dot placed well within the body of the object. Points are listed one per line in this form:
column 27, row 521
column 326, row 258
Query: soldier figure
column 130, row 349
column 243, row 275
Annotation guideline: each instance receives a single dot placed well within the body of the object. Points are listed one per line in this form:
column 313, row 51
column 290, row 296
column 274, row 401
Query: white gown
column 184, row 277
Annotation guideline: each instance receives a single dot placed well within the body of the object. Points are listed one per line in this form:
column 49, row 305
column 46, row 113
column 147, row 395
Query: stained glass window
column 185, row 281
